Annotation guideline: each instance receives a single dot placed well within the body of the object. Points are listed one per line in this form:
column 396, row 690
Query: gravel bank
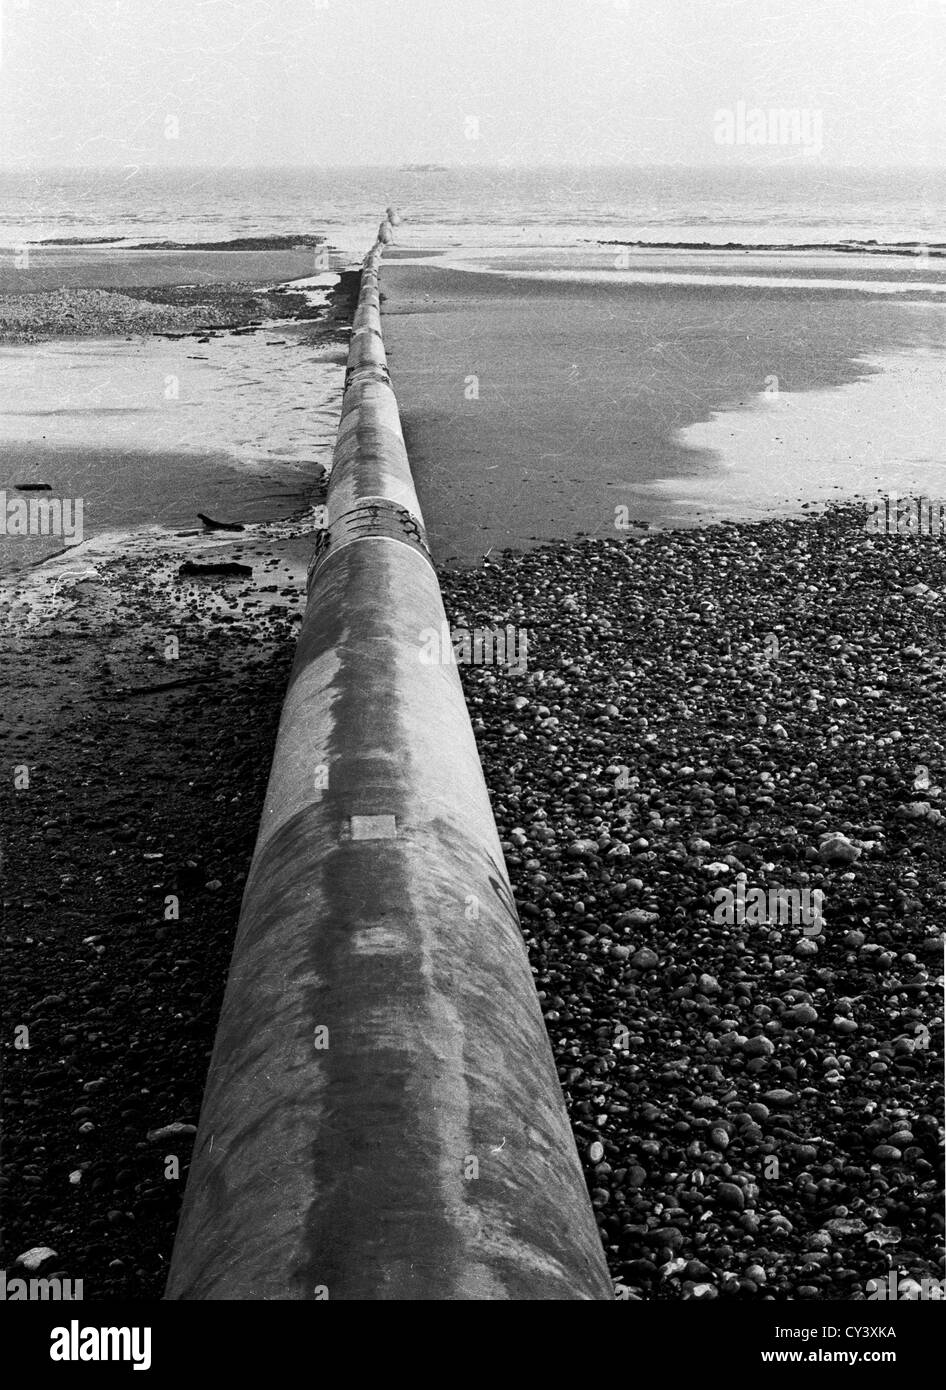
column 71, row 312
column 758, row 1107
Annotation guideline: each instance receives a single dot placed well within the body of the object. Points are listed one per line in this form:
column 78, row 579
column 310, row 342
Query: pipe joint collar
column 372, row 518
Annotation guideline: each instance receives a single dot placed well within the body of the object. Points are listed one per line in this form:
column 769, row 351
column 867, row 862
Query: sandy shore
column 107, row 267
column 143, row 705
column 533, row 407
column 163, row 400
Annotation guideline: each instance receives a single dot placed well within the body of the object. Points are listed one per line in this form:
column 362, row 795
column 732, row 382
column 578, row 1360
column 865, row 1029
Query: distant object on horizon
column 425, row 169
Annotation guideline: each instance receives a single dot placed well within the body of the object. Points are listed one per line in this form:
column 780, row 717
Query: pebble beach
column 756, row 1106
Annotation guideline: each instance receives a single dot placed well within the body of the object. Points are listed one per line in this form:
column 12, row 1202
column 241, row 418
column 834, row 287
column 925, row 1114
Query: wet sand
column 231, row 418
column 144, row 708
column 50, row 268
column 534, row 407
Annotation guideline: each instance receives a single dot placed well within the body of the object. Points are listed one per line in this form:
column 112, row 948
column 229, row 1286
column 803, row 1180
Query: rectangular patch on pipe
column 378, row 941
column 373, row 827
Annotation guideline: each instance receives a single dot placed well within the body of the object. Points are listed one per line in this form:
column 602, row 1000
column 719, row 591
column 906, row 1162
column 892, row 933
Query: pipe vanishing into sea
column 382, row 1116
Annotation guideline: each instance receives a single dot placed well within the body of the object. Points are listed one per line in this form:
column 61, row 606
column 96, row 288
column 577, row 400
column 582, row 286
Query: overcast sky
column 245, row 82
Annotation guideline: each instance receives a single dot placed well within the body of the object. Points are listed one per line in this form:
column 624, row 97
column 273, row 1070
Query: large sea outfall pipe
column 382, row 1117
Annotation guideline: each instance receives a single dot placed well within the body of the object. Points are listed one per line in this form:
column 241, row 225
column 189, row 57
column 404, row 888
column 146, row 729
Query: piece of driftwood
column 191, row 567
column 212, row 525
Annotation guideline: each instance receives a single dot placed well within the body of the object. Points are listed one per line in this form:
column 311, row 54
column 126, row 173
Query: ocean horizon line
column 792, row 165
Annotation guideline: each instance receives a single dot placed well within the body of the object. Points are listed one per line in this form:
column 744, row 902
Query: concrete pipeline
column 382, row 1117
